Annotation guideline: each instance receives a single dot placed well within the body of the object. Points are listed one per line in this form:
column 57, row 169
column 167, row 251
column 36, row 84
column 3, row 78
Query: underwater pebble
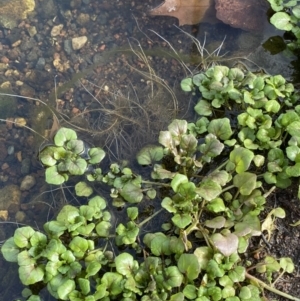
column 27, row 183
column 78, row 43
column 10, row 150
column 10, row 197
column 3, row 215
column 20, row 216
column 25, row 166
column 55, row 31
column 20, row 122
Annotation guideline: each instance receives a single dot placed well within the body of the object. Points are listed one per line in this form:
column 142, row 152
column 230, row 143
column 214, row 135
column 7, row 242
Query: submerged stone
column 12, row 11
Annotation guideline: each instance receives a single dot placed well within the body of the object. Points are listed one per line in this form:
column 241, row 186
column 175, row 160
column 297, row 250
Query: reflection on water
column 119, row 87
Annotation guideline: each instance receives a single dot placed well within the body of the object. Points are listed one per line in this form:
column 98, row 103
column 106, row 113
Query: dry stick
column 271, row 289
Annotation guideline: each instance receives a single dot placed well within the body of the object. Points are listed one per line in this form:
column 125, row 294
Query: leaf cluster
column 214, row 173
column 287, row 17
column 69, row 156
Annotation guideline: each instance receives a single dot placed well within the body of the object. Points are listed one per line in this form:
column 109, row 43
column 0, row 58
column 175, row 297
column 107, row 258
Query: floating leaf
column 287, row 264
column 132, row 213
column 178, row 180
column 93, row 268
column 103, row 228
column 215, row 223
column 75, row 146
column 113, row 283
column 187, row 84
column 189, row 266
column 10, row 250
column 211, row 148
column 151, row 193
column 65, row 289
column 29, row 271
column 22, row 237
column 209, row 190
column 242, row 158
column 79, row 246
column 188, row 143
column 52, row 176
column 220, row 128
column 47, row 156
column 82, row 189
column 173, row 277
column 203, row 108
column 177, row 128
column 245, row 182
column 181, row 220
column 203, row 254
column 125, row 264
column 74, row 167
column 63, row 135
column 84, row 285
column 226, row 244
column 131, row 193
column 281, row 20
column 96, row 154
column 150, row 154
column 250, row 224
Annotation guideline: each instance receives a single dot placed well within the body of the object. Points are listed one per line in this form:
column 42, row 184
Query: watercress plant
column 211, row 178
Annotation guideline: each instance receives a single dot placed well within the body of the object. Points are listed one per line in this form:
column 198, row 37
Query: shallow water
column 112, row 71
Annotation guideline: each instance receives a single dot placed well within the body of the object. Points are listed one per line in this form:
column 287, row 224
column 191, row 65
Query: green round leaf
column 79, row 246
column 203, row 108
column 131, row 193
column 173, row 277
column 181, row 220
column 82, row 189
column 281, row 20
column 177, row 180
column 245, row 182
column 93, row 268
column 150, row 154
column 113, row 282
column 75, row 146
column 187, row 84
column 189, row 266
column 226, row 244
column 209, row 189
column 84, row 285
column 103, row 228
column 65, row 289
column 220, row 128
column 242, row 158
column 52, row 176
column 22, row 237
column 96, row 154
column 63, row 135
column 10, row 250
column 125, row 264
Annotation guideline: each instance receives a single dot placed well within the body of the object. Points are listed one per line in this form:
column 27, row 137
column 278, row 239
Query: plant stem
column 149, row 218
column 271, row 289
column 155, row 183
column 222, row 165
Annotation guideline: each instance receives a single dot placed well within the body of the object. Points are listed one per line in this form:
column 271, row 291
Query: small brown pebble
column 4, row 60
column 75, row 111
column 4, row 166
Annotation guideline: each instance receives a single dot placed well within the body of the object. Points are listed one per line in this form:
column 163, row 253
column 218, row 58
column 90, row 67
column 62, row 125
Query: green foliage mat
column 287, row 17
column 216, row 174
